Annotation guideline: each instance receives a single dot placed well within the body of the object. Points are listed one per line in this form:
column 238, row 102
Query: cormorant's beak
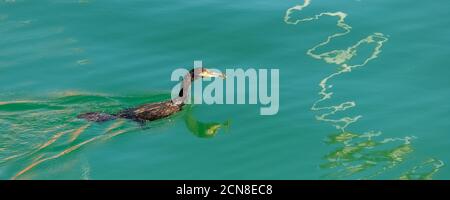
column 209, row 74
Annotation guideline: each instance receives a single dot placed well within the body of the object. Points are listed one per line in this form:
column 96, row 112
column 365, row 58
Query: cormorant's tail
column 97, row 116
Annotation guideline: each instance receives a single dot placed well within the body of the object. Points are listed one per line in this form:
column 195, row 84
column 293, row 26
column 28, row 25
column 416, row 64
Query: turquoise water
column 60, row 58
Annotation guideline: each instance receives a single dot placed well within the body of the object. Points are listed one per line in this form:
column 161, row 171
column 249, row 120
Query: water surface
column 60, row 58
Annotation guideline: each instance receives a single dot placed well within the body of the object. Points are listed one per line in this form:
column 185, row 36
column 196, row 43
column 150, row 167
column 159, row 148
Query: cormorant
column 158, row 110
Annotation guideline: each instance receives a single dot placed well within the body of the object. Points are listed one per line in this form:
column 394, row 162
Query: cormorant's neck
column 185, row 87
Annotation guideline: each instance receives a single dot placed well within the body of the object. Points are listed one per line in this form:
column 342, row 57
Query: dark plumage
column 154, row 111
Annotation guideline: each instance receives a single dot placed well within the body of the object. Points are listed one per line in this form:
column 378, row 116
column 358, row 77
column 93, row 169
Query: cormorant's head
column 205, row 73
column 196, row 73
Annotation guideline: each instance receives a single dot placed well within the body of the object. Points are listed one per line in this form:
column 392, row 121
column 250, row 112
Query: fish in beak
column 210, row 74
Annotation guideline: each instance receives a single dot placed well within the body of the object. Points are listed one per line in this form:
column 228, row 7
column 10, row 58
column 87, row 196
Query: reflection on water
column 41, row 131
column 203, row 129
column 121, row 49
column 368, row 156
column 363, row 153
column 359, row 154
column 423, row 171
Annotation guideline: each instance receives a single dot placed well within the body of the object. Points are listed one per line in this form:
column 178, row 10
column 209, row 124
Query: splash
column 358, row 153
